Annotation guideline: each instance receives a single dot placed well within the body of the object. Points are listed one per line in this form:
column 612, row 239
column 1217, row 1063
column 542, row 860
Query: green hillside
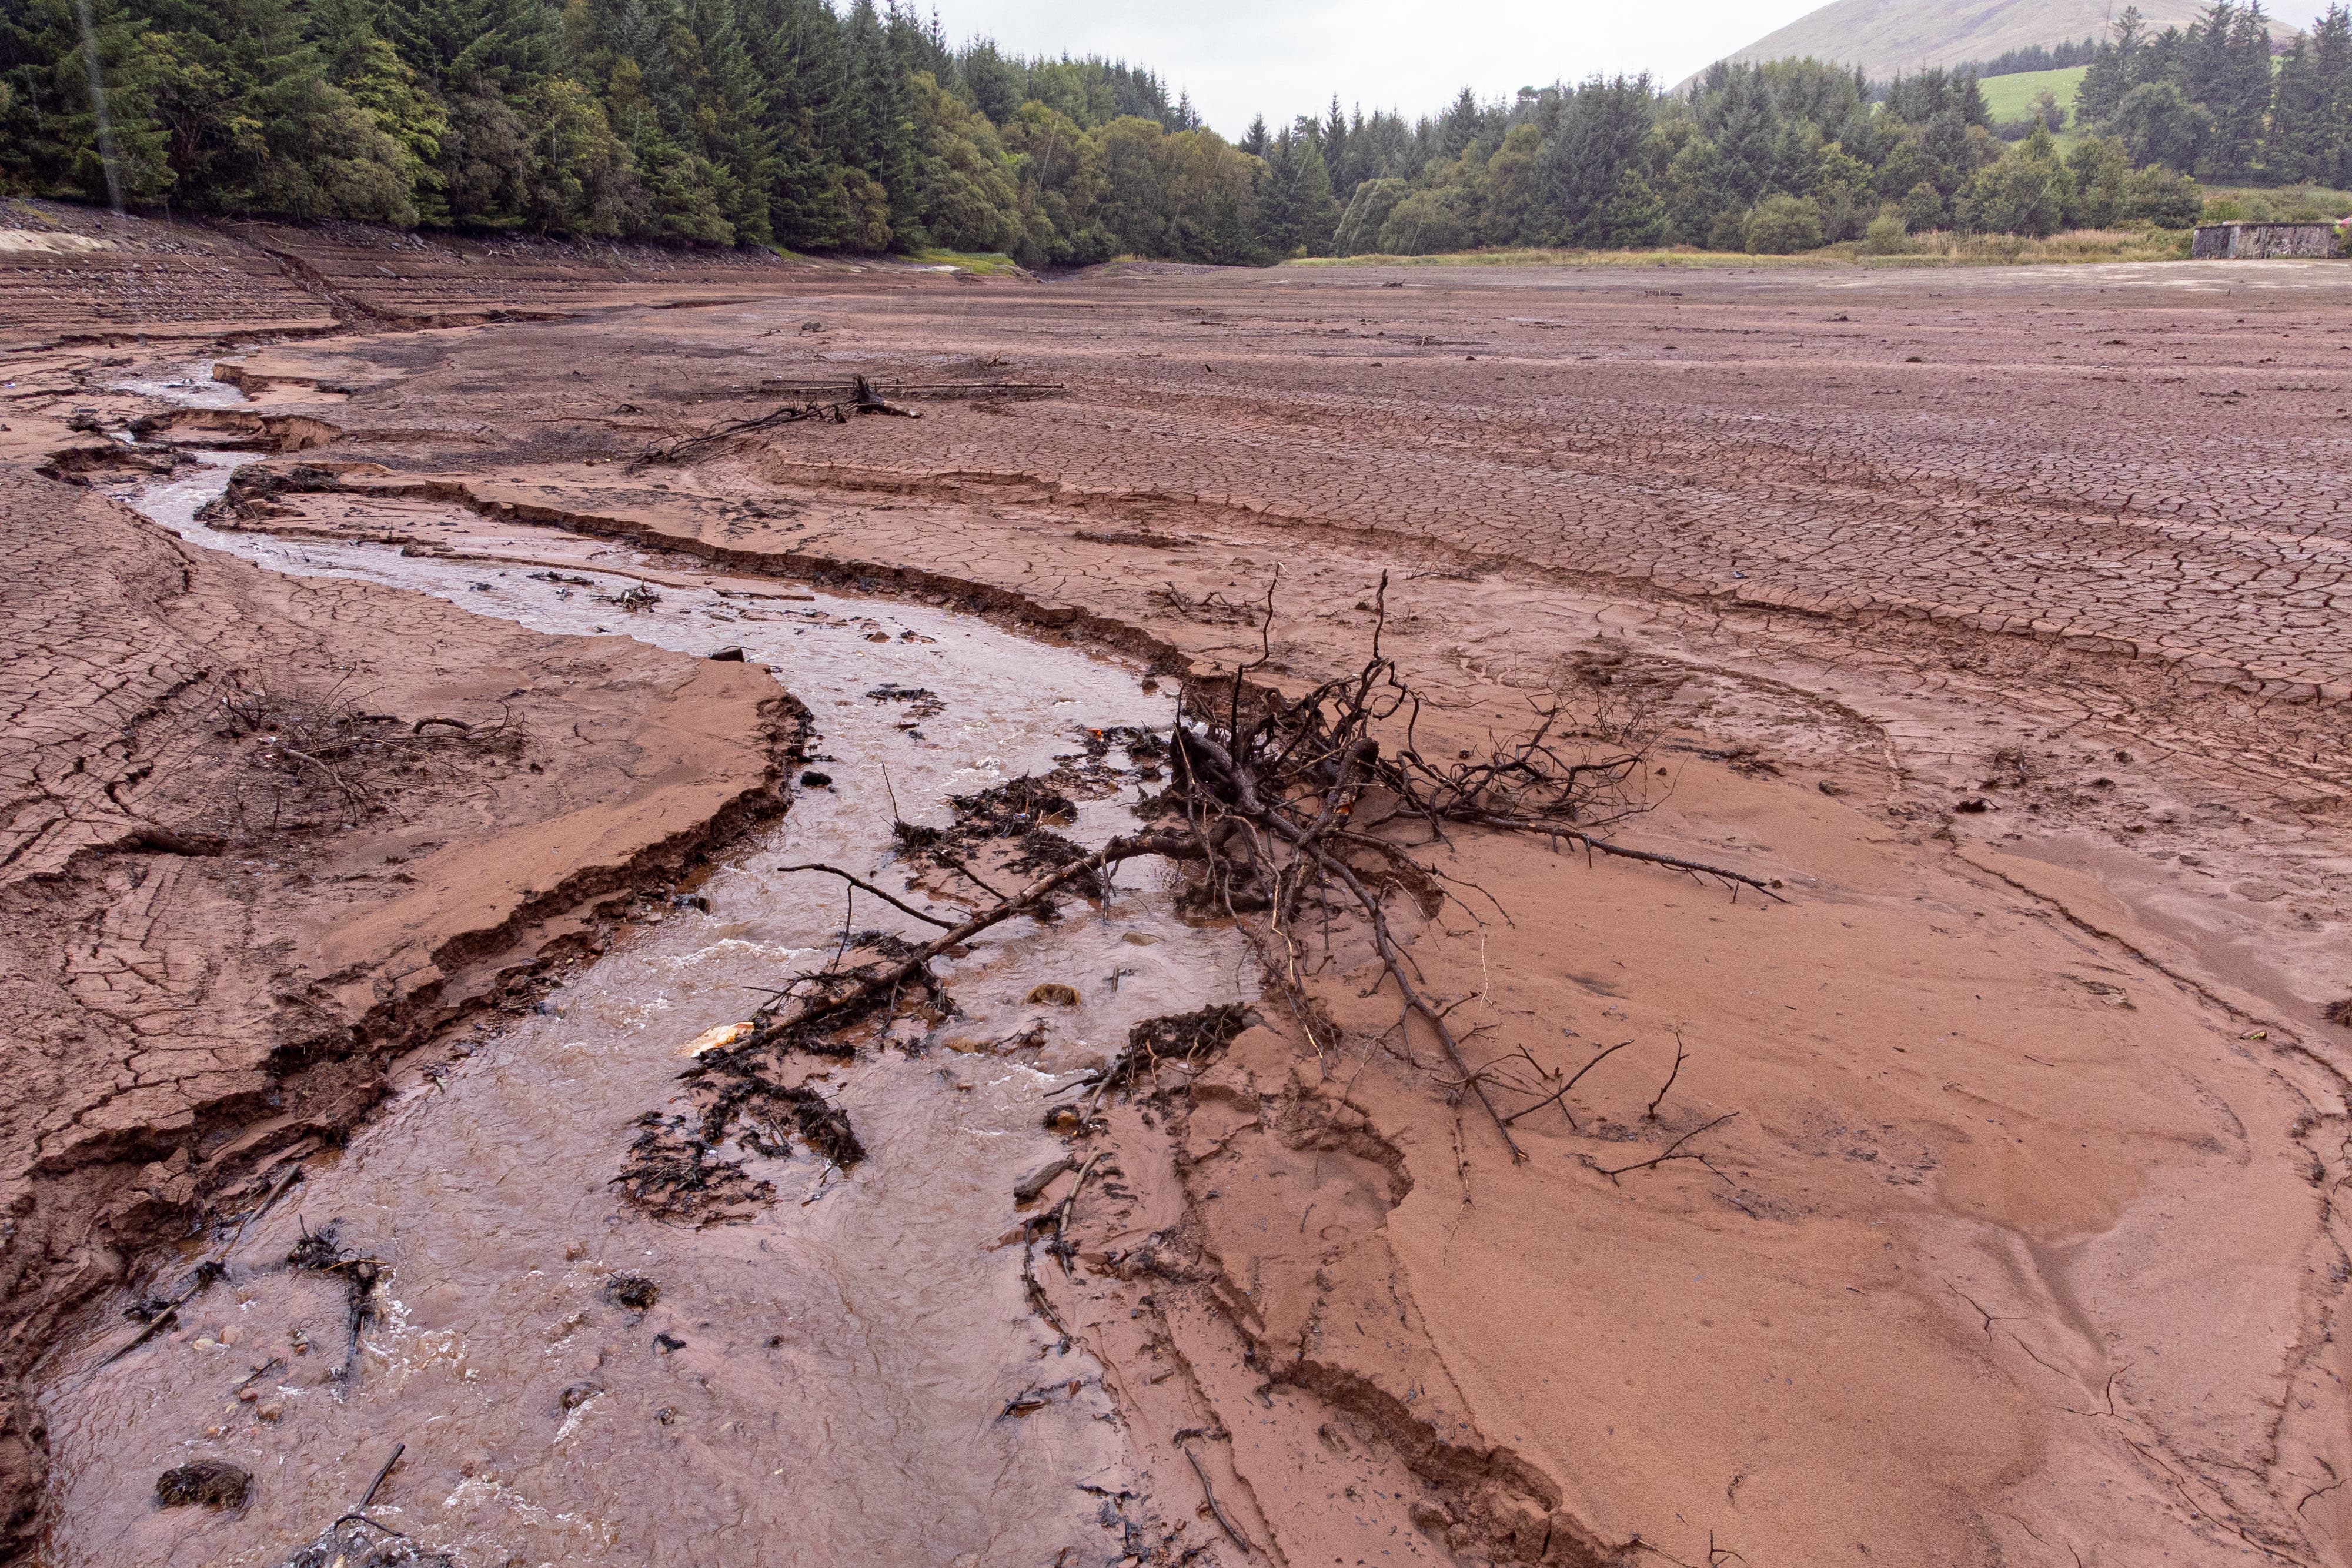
column 1885, row 37
column 2012, row 97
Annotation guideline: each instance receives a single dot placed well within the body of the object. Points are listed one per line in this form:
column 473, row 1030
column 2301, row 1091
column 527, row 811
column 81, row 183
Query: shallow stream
column 825, row 1383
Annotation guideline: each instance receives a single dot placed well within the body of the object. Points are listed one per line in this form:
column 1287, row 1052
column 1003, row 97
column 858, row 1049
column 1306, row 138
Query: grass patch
column 2073, row 247
column 987, row 264
column 2012, row 97
column 2276, row 205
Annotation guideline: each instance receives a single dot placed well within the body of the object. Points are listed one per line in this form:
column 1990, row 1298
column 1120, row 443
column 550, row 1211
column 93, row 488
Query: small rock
column 813, row 779
column 578, row 1394
column 270, row 1411
column 728, row 656
column 717, row 1039
column 1054, row 993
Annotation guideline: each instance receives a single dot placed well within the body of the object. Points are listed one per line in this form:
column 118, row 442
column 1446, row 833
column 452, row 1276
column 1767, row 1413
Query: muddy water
column 824, row 1384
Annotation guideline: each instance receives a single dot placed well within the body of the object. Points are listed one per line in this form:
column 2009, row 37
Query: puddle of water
column 824, row 1384
column 190, row 384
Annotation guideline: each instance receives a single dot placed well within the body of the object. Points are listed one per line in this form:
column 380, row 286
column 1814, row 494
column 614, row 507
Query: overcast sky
column 1284, row 58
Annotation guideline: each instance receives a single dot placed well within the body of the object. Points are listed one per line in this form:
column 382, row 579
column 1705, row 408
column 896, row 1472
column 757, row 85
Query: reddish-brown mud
column 210, row 949
column 1999, row 616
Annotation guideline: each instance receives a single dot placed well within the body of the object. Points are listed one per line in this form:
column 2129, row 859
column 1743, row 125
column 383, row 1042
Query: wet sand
column 1997, row 614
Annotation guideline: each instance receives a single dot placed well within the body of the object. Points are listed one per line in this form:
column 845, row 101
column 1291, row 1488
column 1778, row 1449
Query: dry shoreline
column 2021, row 1233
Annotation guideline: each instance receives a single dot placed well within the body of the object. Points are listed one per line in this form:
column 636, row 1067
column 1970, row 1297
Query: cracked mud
column 1997, row 616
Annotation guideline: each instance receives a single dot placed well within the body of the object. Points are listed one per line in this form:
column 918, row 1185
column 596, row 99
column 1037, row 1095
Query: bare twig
column 882, row 979
column 1062, row 1209
column 1561, row 1095
column 277, row 1190
column 956, row 863
column 869, row 887
column 1227, row 1525
column 1652, row 1113
column 377, row 1485
column 1673, row 1152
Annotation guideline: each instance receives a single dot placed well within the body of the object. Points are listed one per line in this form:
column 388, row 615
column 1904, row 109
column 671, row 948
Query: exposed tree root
column 862, row 399
column 1287, row 812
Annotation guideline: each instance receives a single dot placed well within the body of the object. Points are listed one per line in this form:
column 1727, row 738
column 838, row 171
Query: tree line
column 782, row 122
column 2218, row 97
column 2035, row 58
column 1774, row 157
column 798, row 124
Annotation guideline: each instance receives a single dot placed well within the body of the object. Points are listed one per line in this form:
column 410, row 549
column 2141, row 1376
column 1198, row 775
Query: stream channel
column 824, row 1383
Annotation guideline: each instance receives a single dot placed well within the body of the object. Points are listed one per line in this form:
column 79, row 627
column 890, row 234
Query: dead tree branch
column 1561, row 1094
column 1673, row 1072
column 1297, row 817
column 863, row 398
column 864, row 885
column 1673, row 1151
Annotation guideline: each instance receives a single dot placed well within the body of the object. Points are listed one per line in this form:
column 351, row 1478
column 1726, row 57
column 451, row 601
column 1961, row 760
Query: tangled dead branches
column 1286, row 811
column 862, row 399
column 1310, row 805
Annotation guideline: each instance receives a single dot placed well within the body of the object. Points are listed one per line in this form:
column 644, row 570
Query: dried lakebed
column 852, row 1373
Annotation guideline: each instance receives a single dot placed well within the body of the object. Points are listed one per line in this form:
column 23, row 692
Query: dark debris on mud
column 1016, row 806
column 212, row 1482
column 353, row 1542
column 319, row 1251
column 921, row 702
column 672, row 1173
column 690, row 1165
column 634, row 1291
column 1176, row 1037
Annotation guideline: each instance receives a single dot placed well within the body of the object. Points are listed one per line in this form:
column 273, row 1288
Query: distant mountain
column 1885, row 37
